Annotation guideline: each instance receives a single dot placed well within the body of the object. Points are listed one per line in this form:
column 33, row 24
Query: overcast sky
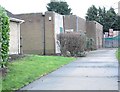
column 79, row 7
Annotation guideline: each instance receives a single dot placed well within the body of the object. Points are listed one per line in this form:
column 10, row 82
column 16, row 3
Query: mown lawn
column 28, row 69
column 118, row 54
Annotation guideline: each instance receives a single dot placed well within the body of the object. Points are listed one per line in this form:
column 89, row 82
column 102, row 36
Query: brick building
column 39, row 32
column 95, row 30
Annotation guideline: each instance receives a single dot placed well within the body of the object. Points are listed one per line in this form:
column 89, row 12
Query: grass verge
column 30, row 68
column 118, row 54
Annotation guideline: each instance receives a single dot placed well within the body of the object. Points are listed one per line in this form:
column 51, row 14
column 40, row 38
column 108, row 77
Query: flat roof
column 16, row 20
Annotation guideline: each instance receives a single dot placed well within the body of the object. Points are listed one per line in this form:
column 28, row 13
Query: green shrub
column 4, row 37
column 118, row 54
column 72, row 44
column 90, row 44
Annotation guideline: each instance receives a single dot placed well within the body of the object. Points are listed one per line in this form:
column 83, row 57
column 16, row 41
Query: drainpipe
column 44, row 34
column 18, row 33
column 77, row 23
column 20, row 39
column 64, row 23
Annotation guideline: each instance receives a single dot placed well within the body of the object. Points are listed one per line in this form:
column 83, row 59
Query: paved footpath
column 97, row 71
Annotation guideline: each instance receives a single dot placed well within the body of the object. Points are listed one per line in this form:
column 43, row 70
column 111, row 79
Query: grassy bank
column 27, row 69
column 118, row 54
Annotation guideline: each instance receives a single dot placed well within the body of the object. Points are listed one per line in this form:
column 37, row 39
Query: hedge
column 73, row 43
column 4, row 37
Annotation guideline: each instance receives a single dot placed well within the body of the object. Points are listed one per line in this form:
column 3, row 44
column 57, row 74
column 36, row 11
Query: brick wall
column 74, row 22
column 95, row 30
column 32, row 33
column 38, row 33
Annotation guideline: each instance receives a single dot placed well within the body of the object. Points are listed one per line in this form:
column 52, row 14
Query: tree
column 117, row 23
column 111, row 15
column 4, row 37
column 60, row 7
column 108, row 18
column 92, row 13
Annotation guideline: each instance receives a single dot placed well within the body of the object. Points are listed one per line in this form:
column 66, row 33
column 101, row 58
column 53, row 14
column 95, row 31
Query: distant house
column 14, row 44
column 39, row 32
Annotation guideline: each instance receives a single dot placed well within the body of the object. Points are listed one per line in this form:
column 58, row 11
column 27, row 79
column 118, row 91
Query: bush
column 72, row 44
column 90, row 44
column 4, row 37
